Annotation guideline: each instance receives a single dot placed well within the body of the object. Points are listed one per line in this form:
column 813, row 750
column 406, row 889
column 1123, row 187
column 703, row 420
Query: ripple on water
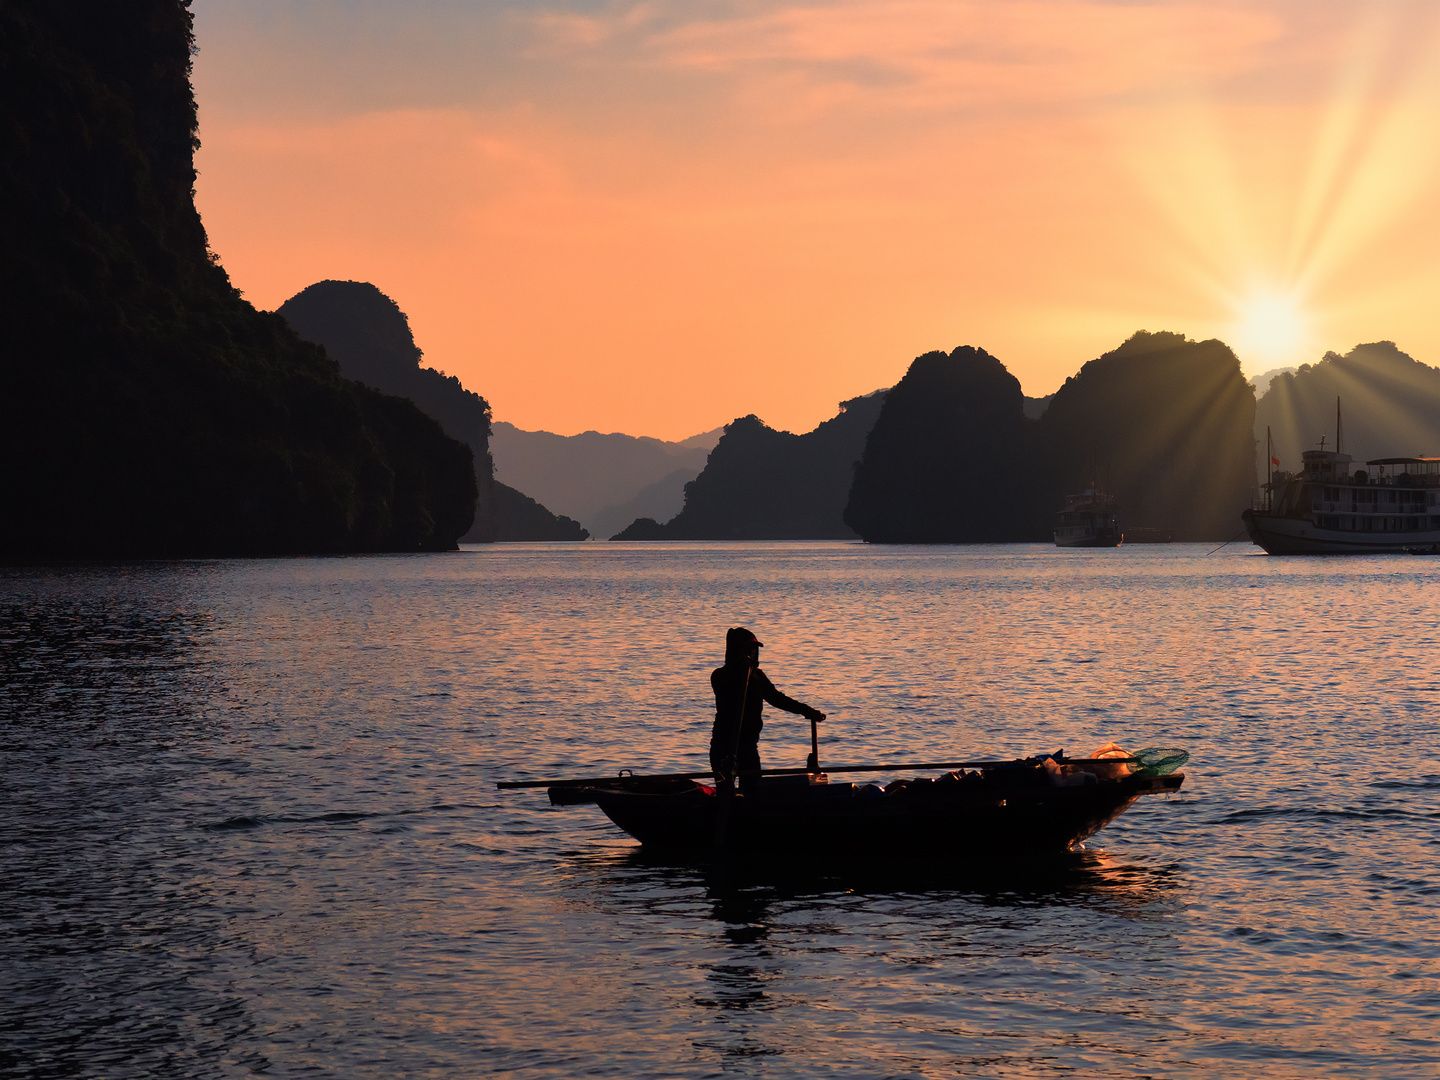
column 250, row 825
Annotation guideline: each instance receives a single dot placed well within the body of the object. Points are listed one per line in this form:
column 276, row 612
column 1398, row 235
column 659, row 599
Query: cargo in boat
column 1026, row 807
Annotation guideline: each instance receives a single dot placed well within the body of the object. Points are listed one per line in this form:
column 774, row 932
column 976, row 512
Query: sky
column 656, row 217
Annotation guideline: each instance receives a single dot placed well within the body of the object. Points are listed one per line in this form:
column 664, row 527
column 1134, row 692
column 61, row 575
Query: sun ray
column 1262, row 236
column 1338, row 143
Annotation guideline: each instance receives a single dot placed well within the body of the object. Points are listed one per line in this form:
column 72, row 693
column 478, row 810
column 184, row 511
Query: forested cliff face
column 1166, row 426
column 367, row 334
column 1390, row 406
column 763, row 484
column 145, row 407
column 1162, row 423
column 948, row 460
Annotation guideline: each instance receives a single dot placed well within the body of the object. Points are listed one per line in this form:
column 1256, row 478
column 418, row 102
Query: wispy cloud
column 822, row 188
column 939, row 54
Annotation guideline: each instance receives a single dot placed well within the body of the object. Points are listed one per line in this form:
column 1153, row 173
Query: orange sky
column 655, row 217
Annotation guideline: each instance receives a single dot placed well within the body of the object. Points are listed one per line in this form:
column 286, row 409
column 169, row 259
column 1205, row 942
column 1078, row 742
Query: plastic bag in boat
column 1117, row 771
column 1151, row 761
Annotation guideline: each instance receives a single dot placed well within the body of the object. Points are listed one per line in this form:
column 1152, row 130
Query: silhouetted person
column 733, row 752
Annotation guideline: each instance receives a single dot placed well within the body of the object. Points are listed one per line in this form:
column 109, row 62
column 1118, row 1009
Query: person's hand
column 815, row 714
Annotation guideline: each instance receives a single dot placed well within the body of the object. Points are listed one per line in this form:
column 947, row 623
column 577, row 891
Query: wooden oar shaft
column 571, row 781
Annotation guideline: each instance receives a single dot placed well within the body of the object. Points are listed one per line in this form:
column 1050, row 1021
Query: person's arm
column 780, row 701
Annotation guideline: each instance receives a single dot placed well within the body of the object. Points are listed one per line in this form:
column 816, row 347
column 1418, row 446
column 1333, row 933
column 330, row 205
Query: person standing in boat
column 735, row 739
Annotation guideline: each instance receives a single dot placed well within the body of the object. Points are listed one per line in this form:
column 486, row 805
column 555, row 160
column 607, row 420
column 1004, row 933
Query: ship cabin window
column 1332, row 494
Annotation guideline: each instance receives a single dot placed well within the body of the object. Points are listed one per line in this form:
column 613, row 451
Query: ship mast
column 1269, row 471
column 1338, row 428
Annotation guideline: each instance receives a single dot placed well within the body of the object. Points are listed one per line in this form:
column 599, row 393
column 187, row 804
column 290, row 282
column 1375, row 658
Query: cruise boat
column 1330, row 507
column 1088, row 520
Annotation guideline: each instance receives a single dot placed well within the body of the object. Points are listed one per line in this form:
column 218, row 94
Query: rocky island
column 146, row 408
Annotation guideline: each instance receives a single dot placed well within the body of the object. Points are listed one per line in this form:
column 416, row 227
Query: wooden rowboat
column 1031, row 806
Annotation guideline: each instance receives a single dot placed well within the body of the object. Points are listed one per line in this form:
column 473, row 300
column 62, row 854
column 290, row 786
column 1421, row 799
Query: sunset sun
column 1271, row 330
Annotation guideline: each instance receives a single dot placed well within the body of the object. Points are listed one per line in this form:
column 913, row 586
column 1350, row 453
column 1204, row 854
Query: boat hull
column 930, row 820
column 1098, row 540
column 1284, row 535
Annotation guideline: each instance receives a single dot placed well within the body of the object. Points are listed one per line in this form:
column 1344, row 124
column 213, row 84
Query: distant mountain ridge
column 598, row 478
column 956, row 453
column 1262, row 382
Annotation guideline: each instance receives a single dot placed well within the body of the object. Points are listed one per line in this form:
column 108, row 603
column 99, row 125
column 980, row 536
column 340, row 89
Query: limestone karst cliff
column 145, row 407
column 948, row 459
column 369, row 336
column 1166, row 425
column 1390, row 405
column 1163, row 423
column 763, row 484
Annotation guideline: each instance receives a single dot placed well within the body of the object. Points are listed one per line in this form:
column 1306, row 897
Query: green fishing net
column 1158, row 761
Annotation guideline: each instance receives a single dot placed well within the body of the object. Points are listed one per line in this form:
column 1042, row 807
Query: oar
column 812, row 763
column 577, row 781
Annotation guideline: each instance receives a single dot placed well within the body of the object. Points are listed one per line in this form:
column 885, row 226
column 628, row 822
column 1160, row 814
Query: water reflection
column 102, row 646
column 1085, row 878
column 249, row 824
column 975, row 960
column 112, row 942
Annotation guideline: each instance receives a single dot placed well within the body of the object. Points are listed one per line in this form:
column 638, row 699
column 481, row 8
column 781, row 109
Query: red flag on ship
column 1274, row 461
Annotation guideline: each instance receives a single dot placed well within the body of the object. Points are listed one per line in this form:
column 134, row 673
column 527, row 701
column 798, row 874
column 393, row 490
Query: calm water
column 250, row 824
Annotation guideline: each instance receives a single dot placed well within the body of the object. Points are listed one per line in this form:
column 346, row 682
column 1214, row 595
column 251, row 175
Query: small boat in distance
column 1088, row 520
column 1031, row 806
column 1390, row 507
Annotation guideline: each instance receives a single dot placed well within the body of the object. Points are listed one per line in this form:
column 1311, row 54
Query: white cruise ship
column 1392, row 505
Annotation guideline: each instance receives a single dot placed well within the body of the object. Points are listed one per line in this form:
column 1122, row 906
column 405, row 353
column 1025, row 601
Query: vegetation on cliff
column 145, row 408
column 1391, row 406
column 369, row 336
column 949, row 458
column 1164, row 424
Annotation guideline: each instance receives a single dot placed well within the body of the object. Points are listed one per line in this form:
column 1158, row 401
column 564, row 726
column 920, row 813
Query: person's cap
column 737, row 638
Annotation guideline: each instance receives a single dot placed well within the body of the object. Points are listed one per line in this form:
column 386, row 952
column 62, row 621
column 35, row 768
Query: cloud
column 573, row 200
column 938, row 54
